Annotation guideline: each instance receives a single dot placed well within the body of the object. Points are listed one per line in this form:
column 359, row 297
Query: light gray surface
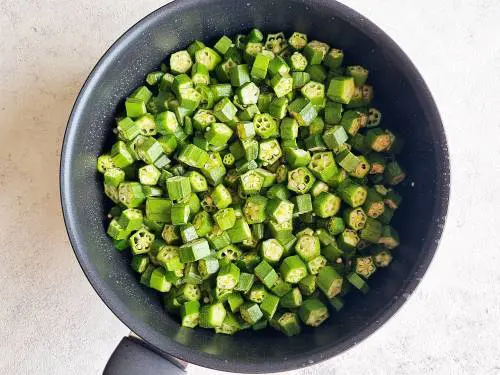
column 52, row 322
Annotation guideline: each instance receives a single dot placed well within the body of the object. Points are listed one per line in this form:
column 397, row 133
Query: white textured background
column 52, row 322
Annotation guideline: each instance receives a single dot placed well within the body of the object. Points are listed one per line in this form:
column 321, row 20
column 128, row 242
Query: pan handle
column 133, row 357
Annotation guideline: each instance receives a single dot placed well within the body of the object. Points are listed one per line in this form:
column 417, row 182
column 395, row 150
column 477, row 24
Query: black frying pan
column 407, row 106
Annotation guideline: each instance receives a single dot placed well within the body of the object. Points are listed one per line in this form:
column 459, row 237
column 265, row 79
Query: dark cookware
column 407, row 107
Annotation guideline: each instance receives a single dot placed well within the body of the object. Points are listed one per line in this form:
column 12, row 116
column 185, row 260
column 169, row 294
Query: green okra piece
column 348, row 240
column 315, row 51
column 292, row 299
column 374, row 204
column 212, row 316
column 298, row 40
column 245, row 282
column 271, row 251
column 278, row 107
column 228, row 276
column 280, row 287
column 389, row 237
column 326, row 205
column 341, row 89
column 356, row 280
column 307, row 285
column 300, row 180
column 329, row 281
column 240, row 231
column 257, row 293
column 293, row 269
column 393, row 173
column 308, row 247
column 269, row 305
column 266, row 273
column 303, row 110
column 355, row 218
column 194, row 250
column 302, row 204
column 140, row 262
column 168, row 256
column 353, row 194
column 313, row 312
column 382, row 257
column 228, row 254
column 280, row 210
column 315, row 265
column 289, row 324
column 251, row 312
column 372, row 230
column 203, row 224
column 364, row 266
column 359, row 74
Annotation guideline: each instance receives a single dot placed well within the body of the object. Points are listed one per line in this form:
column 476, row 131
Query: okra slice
column 334, row 58
column 297, row 157
column 271, row 250
column 392, row 199
column 278, row 107
column 326, row 205
column 251, row 182
column 302, row 204
column 372, row 230
column 141, row 241
column 315, row 51
column 228, row 276
column 374, row 204
column 357, row 72
column 356, row 280
column 193, row 156
column 315, row 265
column 292, row 299
column 269, row 305
column 158, row 280
column 212, row 316
column 303, row 110
column 254, row 209
column 364, row 266
column 269, row 152
column 266, row 273
column 355, row 218
column 248, row 261
column 179, row 213
column 308, row 247
column 329, row 281
column 289, row 324
column 139, row 263
column 257, row 293
column 251, row 312
column 335, row 137
column 341, row 89
column 353, row 194
column 190, row 314
column 168, row 256
column 289, row 128
column 280, row 287
column 265, row 126
column 307, row 285
column 298, row 40
column 194, row 250
column 382, row 257
column 131, row 219
column 313, row 312
column 228, row 254
column 239, row 232
column 348, row 240
column 116, row 231
column 280, row 210
column 300, row 180
column 389, row 237
column 293, row 269
column 314, row 91
column 245, row 282
column 324, row 236
column 393, row 173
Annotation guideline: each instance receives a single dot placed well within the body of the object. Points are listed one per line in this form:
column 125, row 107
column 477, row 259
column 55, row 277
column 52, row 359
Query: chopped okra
column 253, row 182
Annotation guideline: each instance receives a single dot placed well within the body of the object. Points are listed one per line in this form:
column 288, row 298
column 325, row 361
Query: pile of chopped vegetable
column 253, row 183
